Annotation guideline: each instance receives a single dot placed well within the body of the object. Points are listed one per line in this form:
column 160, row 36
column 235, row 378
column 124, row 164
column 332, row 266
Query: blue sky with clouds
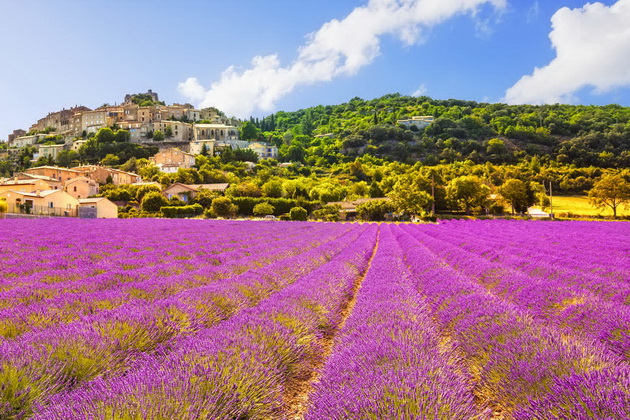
column 249, row 57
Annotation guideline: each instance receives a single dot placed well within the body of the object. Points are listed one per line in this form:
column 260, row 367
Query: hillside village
column 147, row 122
column 177, row 133
column 173, row 135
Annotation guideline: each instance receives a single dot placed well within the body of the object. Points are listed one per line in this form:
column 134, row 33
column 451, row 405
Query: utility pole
column 550, row 201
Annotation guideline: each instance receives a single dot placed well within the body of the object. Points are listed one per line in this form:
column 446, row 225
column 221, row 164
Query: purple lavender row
column 389, row 361
column 243, row 368
column 109, row 343
column 62, row 243
column 589, row 248
column 557, row 255
column 61, row 266
column 93, row 294
column 562, row 242
column 574, row 299
column 565, row 304
column 514, row 359
column 74, row 302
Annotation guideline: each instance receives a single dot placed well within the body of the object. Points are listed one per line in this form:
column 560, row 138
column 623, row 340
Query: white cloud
column 592, row 46
column 421, row 91
column 338, row 48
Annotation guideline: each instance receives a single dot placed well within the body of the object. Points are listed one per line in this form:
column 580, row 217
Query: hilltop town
column 170, row 136
column 145, row 121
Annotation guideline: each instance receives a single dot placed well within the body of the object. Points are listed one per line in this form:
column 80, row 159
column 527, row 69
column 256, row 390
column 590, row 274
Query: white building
column 219, row 132
column 264, row 150
column 419, row 122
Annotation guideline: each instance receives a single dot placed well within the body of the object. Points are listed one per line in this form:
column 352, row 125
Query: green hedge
column 181, row 211
column 280, row 205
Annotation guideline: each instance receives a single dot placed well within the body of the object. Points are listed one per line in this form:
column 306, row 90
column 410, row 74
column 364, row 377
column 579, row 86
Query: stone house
column 61, row 174
column 81, row 187
column 101, row 174
column 173, row 158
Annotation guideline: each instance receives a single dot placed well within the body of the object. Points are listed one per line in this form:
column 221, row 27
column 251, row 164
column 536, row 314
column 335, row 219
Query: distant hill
column 481, row 132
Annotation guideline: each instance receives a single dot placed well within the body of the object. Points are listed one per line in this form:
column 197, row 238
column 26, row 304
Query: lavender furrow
column 566, row 306
column 535, row 258
column 127, row 267
column 242, row 368
column 71, row 305
column 514, row 359
column 389, row 361
column 61, row 251
column 108, row 344
column 600, row 249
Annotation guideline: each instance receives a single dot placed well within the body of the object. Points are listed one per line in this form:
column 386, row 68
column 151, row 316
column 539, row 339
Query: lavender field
column 200, row 319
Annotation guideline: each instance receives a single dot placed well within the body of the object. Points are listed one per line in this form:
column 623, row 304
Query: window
column 75, row 189
column 50, row 204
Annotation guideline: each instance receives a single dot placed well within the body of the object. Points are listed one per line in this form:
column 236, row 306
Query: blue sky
column 56, row 54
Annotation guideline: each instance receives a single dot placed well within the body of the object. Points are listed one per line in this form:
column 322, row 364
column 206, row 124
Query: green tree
column 130, row 166
column 67, row 158
column 375, row 210
column 298, row 213
column 153, row 201
column 515, row 192
column 612, row 190
column 122, row 136
column 204, row 197
column 263, row 209
column 168, row 132
column 249, row 131
column 204, row 150
column 150, row 172
column 245, row 155
column 223, row 207
column 496, row 147
column 295, row 153
column 272, row 188
column 110, row 160
column 245, row 189
column 90, row 150
column 105, row 135
column 467, row 192
column 408, row 199
column 328, row 213
column 144, row 190
column 158, row 135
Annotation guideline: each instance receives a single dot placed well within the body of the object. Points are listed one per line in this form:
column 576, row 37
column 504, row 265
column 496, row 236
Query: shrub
column 328, row 213
column 375, row 210
column 223, row 207
column 298, row 213
column 3, row 206
column 182, row 211
column 263, row 209
column 153, row 201
column 145, row 189
column 281, row 205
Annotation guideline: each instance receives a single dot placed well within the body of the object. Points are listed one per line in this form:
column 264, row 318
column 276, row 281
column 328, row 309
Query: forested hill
column 481, row 132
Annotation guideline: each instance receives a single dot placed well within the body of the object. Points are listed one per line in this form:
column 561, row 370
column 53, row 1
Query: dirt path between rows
column 298, row 400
